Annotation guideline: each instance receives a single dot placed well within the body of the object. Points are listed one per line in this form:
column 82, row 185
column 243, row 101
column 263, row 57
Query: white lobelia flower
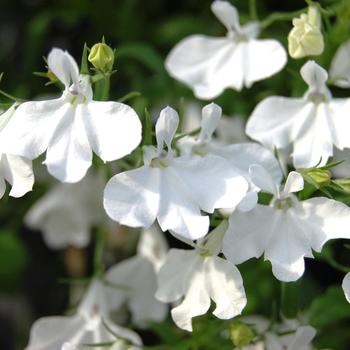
column 306, row 39
column 312, row 124
column 173, row 189
column 14, row 169
column 346, row 286
column 209, row 65
column 71, row 126
column 90, row 325
column 340, row 66
column 240, row 155
column 137, row 281
column 66, row 214
column 287, row 230
column 198, row 276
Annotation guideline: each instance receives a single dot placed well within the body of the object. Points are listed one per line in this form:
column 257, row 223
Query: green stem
column 280, row 16
column 102, row 89
column 252, row 10
column 290, row 293
column 98, row 253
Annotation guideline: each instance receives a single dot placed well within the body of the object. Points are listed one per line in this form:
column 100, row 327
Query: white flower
column 14, row 169
column 340, row 66
column 90, row 325
column 137, row 279
column 305, row 39
column 209, row 65
column 173, row 190
column 71, row 126
column 199, row 276
column 287, row 230
column 66, row 214
column 240, row 155
column 346, row 286
column 312, row 125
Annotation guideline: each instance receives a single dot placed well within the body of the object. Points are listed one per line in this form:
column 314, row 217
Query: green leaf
column 329, row 308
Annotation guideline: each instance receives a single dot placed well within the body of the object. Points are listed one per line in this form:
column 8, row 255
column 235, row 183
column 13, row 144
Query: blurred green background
column 142, row 32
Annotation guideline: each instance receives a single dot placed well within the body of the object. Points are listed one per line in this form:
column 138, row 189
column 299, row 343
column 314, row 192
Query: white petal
column 153, row 246
column 262, row 178
column 340, row 66
column 302, row 339
column 173, row 275
column 113, row 129
column 7, row 115
column 19, row 173
column 272, row 342
column 34, row 124
column 178, row 211
column 248, row 234
column 248, row 202
column 346, row 286
column 314, row 143
column 196, row 301
column 166, row 126
column 225, row 286
column 132, row 197
column 294, row 183
column 276, row 121
column 211, row 115
column 263, row 59
column 211, row 181
column 227, row 14
column 136, row 279
column 69, row 154
column 2, row 187
column 207, row 65
column 329, row 219
column 63, row 65
column 313, row 74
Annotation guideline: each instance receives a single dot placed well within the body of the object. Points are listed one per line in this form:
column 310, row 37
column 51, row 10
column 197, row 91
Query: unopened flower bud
column 305, row 39
column 241, row 334
column 318, row 177
column 101, row 57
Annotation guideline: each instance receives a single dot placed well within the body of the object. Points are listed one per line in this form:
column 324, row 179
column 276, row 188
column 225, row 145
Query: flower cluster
column 228, row 202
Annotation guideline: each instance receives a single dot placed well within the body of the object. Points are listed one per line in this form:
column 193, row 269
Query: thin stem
column 280, row 16
column 191, row 133
column 13, row 98
column 98, row 254
column 102, row 89
column 252, row 10
column 289, row 305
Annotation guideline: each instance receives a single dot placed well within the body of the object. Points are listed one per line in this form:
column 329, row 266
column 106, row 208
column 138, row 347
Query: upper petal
column 227, row 14
column 211, row 115
column 314, row 75
column 63, row 65
column 346, row 286
column 340, row 66
column 225, row 286
column 113, row 129
column 263, row 59
column 132, row 197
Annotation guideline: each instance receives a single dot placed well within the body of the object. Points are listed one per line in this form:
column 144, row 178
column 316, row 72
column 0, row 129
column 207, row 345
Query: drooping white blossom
column 91, row 324
column 70, row 127
column 340, row 66
column 240, row 155
column 346, row 286
column 287, row 230
column 66, row 213
column 172, row 189
column 306, row 39
column 16, row 170
column 195, row 277
column 209, row 65
column 311, row 125
column 137, row 281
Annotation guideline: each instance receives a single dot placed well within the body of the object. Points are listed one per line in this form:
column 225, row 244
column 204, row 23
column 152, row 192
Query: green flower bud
column 241, row 334
column 101, row 57
column 316, row 176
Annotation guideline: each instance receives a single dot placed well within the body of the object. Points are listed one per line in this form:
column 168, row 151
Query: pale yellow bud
column 101, row 57
column 305, row 39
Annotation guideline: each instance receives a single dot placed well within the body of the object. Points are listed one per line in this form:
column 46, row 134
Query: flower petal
column 69, row 154
column 263, row 59
column 225, row 287
column 263, row 179
column 19, row 173
column 207, row 65
column 63, row 65
column 166, row 126
column 294, row 183
column 340, row 66
column 211, row 115
column 314, row 75
column 302, row 338
column 34, row 124
column 113, row 129
column 132, row 197
column 227, row 14
column 276, row 121
column 346, row 286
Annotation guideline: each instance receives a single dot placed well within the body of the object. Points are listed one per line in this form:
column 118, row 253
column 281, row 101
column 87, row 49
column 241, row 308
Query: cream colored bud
column 101, row 57
column 305, row 39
